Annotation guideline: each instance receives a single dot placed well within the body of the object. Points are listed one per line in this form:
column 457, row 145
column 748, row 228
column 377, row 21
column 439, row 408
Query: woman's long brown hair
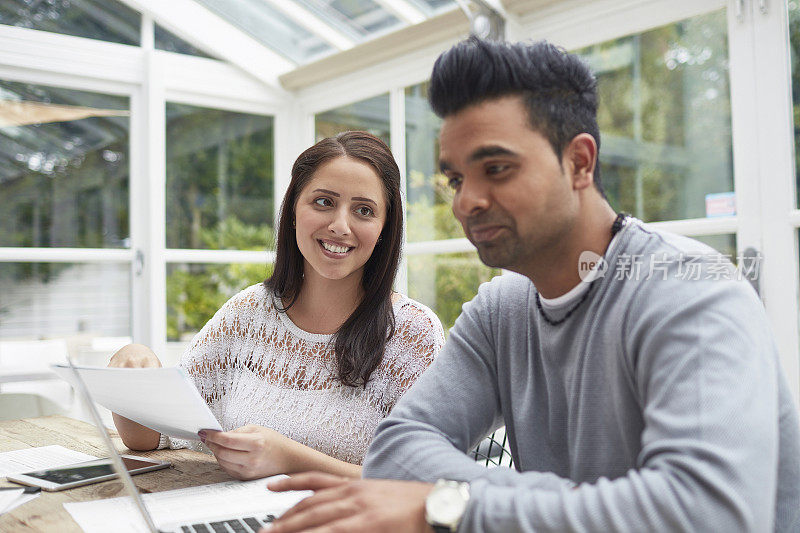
column 360, row 342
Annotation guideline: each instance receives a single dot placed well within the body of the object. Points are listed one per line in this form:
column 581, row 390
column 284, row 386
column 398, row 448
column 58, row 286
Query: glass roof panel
column 105, row 20
column 434, row 5
column 359, row 19
column 306, row 30
column 166, row 40
column 271, row 27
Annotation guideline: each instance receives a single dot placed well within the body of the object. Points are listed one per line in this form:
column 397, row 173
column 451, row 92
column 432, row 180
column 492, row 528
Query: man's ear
column 579, row 158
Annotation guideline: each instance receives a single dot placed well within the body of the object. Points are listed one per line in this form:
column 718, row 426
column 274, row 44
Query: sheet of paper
column 231, row 498
column 21, row 497
column 31, row 459
column 8, row 498
column 163, row 399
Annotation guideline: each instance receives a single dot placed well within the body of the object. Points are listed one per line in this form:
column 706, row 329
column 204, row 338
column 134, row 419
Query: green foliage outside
column 219, row 197
column 219, row 165
column 429, row 208
column 444, row 282
column 196, row 291
column 664, row 118
column 794, row 47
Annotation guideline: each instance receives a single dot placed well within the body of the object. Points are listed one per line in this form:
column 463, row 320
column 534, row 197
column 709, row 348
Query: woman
column 300, row 369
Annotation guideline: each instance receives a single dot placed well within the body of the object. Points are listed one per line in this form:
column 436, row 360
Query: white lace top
column 253, row 365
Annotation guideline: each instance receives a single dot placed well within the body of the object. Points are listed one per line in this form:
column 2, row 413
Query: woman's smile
column 335, row 250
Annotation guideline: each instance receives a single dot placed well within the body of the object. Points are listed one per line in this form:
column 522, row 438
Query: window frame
column 149, row 78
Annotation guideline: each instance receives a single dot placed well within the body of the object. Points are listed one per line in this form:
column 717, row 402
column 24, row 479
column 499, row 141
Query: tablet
column 78, row 474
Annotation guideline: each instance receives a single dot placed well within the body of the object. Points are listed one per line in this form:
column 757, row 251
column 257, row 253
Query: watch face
column 446, row 505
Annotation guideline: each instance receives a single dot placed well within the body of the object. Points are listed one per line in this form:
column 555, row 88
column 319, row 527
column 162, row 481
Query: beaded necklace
column 615, row 228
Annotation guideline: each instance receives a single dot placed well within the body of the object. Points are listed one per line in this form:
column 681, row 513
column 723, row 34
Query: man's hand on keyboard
column 343, row 504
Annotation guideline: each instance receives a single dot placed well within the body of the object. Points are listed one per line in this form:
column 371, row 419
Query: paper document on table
column 8, row 497
column 41, row 458
column 163, row 399
column 192, row 504
column 11, row 498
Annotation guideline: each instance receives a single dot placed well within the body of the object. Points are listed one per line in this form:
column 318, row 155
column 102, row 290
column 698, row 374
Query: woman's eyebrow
column 362, row 199
column 355, row 198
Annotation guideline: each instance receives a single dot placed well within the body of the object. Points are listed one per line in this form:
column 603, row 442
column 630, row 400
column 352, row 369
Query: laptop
column 247, row 523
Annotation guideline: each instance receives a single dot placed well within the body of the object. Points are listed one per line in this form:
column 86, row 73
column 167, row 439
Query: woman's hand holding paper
column 134, row 435
column 134, row 356
column 252, row 452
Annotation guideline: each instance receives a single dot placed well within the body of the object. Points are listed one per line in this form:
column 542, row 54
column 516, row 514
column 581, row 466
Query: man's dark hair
column 558, row 88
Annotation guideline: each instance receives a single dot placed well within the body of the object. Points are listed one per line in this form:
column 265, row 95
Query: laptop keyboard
column 250, row 524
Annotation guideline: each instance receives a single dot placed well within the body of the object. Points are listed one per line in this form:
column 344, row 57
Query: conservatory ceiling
column 271, row 38
column 287, row 44
column 303, row 31
column 297, row 36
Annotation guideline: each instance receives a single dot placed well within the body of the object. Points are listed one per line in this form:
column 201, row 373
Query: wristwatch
column 445, row 505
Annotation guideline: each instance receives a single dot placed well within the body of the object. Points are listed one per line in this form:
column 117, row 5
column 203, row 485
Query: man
column 639, row 393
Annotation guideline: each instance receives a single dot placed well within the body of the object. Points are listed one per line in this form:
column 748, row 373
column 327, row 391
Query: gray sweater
column 658, row 405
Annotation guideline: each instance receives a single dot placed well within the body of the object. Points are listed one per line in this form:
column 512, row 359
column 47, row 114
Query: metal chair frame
column 493, row 450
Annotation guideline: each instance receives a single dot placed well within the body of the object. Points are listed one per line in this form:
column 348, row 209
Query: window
column 724, row 244
column 47, row 300
column 219, row 179
column 428, row 214
column 665, row 119
column 444, row 282
column 64, row 160
column 370, row 115
column 195, row 291
column 794, row 45
column 360, row 18
column 272, row 28
column 64, row 184
column 219, row 196
column 438, row 5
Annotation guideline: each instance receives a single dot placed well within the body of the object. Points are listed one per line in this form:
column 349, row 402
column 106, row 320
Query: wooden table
column 46, row 513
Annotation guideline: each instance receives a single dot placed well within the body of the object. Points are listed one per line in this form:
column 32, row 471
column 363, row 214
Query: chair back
column 493, row 450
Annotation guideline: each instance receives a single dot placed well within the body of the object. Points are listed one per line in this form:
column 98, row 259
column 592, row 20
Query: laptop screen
column 116, row 460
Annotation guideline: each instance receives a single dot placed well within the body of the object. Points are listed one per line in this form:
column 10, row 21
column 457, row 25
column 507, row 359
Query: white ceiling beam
column 438, row 29
column 523, row 7
column 403, row 10
column 213, row 34
column 312, row 23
